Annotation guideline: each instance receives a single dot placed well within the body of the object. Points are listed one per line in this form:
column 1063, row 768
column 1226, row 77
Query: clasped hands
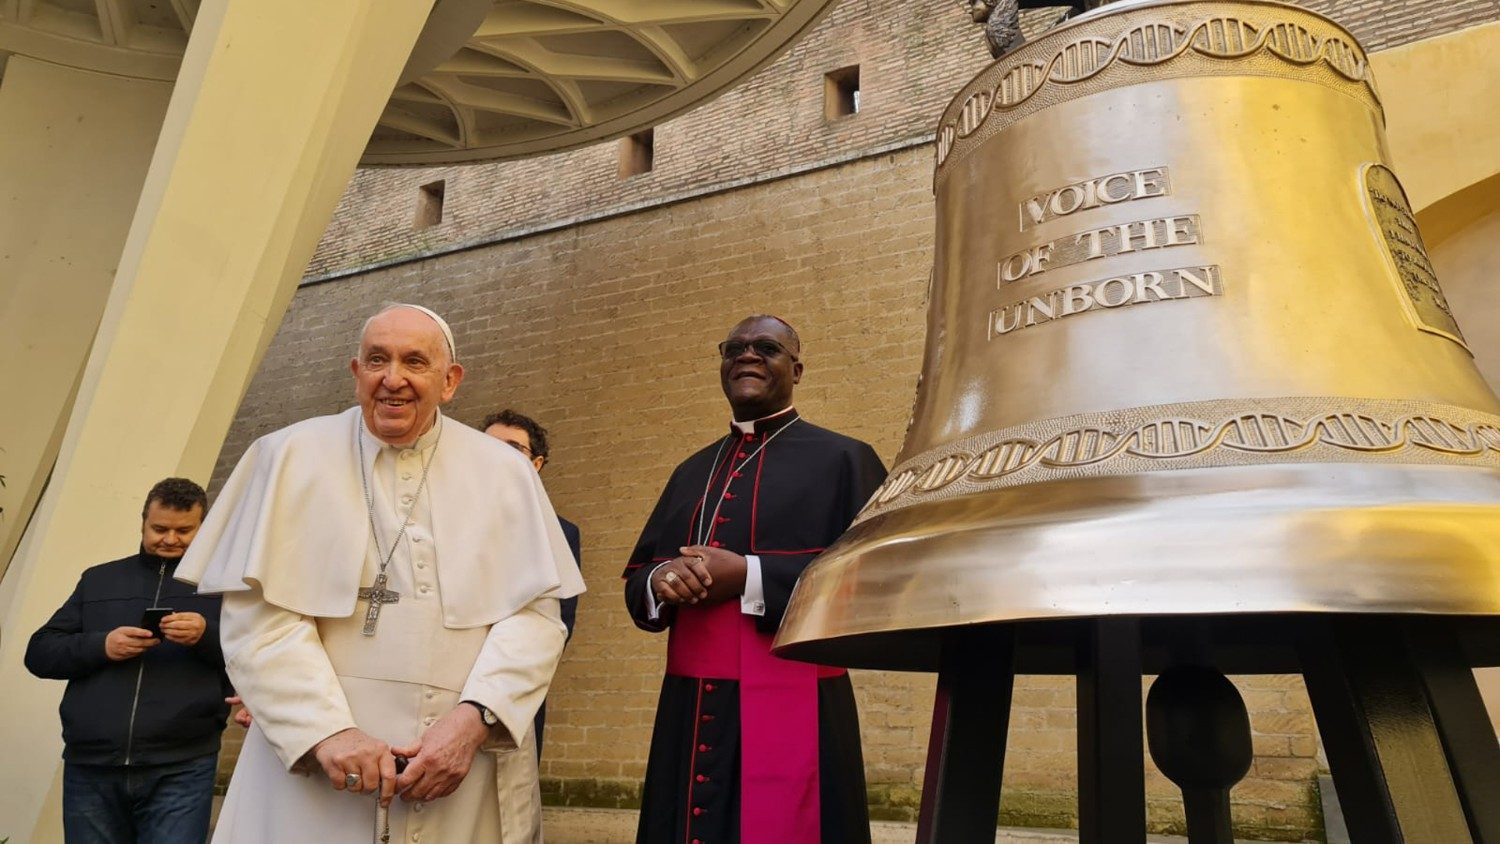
column 702, row 574
column 438, row 760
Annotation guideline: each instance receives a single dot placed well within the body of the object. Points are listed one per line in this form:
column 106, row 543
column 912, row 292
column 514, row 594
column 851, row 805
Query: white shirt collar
column 422, row 443
column 749, row 427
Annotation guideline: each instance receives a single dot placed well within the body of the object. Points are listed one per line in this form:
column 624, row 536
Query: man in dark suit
column 523, row 434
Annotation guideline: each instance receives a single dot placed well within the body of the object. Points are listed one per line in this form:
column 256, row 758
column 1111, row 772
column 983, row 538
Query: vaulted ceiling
column 489, row 78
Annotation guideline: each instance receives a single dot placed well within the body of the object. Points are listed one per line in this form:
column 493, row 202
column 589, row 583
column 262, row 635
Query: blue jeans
column 139, row 804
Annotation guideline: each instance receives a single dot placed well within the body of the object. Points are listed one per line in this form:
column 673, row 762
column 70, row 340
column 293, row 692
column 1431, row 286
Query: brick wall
column 913, row 56
column 594, row 303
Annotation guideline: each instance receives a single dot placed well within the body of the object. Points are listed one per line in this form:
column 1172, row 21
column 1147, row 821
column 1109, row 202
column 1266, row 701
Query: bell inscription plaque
column 1424, row 299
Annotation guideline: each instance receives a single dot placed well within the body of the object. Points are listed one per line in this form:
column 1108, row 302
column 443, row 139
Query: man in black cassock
column 747, row 747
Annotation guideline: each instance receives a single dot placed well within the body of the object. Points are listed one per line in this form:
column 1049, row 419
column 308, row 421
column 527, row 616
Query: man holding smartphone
column 145, row 705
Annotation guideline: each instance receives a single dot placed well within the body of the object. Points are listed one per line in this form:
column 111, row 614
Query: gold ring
column 669, row 577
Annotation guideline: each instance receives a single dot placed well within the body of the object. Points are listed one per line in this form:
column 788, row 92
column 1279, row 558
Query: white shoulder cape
column 292, row 521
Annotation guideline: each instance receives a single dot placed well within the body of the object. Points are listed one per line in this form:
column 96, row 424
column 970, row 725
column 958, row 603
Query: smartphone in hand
column 151, row 619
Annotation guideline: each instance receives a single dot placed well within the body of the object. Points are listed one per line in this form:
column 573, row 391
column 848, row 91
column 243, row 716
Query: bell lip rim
column 1096, row 497
column 825, row 651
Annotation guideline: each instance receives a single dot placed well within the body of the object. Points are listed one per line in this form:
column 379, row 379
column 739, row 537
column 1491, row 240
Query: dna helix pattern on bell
column 1185, row 353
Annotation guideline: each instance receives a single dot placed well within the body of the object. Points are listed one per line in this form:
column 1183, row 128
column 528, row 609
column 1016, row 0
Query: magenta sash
column 778, row 719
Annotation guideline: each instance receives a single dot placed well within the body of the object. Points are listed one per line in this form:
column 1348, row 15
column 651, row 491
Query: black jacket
column 179, row 711
column 570, row 605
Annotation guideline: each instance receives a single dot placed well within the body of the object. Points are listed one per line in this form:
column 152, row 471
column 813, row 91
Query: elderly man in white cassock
column 391, row 583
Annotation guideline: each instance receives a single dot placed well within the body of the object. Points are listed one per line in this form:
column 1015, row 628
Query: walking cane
column 383, row 813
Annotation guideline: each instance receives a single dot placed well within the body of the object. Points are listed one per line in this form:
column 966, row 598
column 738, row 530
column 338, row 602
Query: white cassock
column 479, row 572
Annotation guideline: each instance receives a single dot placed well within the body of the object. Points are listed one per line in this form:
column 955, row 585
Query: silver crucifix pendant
column 378, row 596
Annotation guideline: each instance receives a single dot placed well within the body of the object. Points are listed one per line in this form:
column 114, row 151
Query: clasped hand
column 353, row 754
column 438, row 760
column 702, row 573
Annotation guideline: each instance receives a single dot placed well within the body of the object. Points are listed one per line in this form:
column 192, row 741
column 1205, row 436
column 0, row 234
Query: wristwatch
column 489, row 718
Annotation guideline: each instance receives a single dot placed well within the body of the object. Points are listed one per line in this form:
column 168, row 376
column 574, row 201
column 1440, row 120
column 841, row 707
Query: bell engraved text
column 1115, row 292
column 1092, row 193
column 1422, row 297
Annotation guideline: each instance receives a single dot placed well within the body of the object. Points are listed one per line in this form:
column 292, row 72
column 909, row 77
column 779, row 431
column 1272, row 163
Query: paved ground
column 617, row 826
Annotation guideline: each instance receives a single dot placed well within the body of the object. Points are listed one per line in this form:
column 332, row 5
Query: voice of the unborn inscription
column 1097, row 243
column 1132, row 289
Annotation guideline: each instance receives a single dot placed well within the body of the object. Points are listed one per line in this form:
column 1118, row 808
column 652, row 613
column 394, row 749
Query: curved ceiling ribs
column 141, row 38
column 539, row 71
column 536, row 76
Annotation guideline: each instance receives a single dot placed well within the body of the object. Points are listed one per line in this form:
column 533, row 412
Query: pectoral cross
column 377, row 595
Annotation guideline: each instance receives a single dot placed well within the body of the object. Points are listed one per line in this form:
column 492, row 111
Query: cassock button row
column 721, row 519
column 707, row 718
column 709, row 687
column 716, row 544
column 703, row 748
column 728, row 496
column 741, row 455
column 698, row 811
column 734, row 474
column 424, row 589
column 701, row 778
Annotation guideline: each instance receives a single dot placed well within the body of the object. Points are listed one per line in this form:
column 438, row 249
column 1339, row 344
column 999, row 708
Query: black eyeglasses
column 518, row 447
column 764, row 347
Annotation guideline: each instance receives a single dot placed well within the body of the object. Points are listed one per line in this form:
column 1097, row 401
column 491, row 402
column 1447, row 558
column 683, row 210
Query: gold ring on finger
column 669, row 577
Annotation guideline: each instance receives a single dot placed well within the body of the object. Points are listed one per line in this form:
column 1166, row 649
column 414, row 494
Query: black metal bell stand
column 1412, row 751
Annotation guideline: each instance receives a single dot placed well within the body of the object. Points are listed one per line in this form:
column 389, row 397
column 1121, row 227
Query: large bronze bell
column 1185, row 354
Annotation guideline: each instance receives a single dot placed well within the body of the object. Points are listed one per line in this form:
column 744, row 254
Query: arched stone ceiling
column 535, row 76
column 540, row 76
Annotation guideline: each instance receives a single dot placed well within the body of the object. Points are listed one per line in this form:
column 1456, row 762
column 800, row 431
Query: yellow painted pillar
column 1447, row 152
column 1442, row 133
column 73, row 157
column 1466, row 261
column 271, row 110
column 1469, row 266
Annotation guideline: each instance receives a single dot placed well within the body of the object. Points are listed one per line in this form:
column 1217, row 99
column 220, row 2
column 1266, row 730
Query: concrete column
column 1447, row 154
column 270, row 112
column 1469, row 268
column 73, row 157
column 1440, row 142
